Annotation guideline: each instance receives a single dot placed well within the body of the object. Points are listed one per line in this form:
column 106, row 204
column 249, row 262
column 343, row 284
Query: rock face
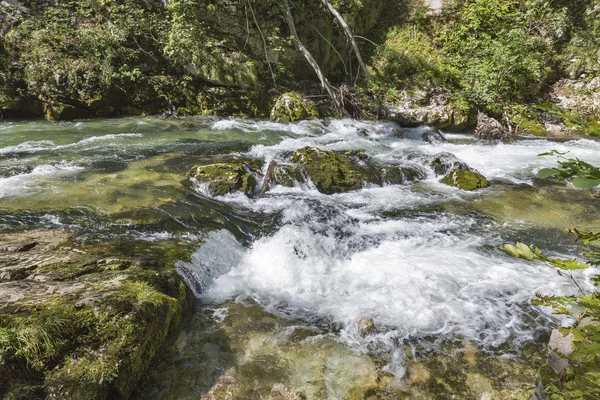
column 332, row 172
column 74, row 325
column 422, row 108
column 64, row 112
column 224, row 178
column 293, row 106
column 489, row 128
column 465, row 180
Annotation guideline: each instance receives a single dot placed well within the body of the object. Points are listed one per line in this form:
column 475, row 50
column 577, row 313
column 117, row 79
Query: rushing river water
column 283, row 280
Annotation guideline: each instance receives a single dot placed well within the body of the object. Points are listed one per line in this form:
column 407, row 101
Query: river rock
column 333, row 172
column 365, row 326
column 489, row 128
column 446, row 162
column 64, row 112
column 465, row 179
column 400, row 175
column 224, row 178
column 293, row 106
column 431, row 108
column 287, row 175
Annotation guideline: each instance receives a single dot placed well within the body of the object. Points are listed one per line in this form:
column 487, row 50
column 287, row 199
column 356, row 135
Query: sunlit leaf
column 585, row 183
column 547, row 172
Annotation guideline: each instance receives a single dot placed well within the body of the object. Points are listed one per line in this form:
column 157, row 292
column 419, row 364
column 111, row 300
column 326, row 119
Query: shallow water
column 420, row 259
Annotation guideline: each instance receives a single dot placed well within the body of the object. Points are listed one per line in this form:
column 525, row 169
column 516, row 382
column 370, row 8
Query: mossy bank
column 76, row 323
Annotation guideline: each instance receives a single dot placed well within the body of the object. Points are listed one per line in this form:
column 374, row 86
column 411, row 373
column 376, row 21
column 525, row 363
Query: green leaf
column 547, row 172
column 521, row 250
column 566, row 265
column 552, row 153
column 585, row 183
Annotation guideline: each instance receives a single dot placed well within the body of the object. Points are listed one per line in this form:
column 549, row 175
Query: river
column 282, row 281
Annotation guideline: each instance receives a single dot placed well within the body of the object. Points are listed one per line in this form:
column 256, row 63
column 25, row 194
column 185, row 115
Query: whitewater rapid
column 417, row 274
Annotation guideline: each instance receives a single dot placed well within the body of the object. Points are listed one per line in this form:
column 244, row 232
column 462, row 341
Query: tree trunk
column 349, row 35
column 331, row 91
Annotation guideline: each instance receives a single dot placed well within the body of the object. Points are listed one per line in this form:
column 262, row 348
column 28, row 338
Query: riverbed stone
column 333, row 172
column 465, row 180
column 224, row 178
column 64, row 112
column 293, row 106
column 366, row 326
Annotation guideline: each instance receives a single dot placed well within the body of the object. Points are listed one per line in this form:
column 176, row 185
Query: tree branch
column 311, row 60
column 349, row 35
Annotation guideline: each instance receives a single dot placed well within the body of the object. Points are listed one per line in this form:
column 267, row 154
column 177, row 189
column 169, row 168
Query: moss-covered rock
column 333, row 172
column 224, row 178
column 75, row 325
column 293, row 106
column 465, row 180
column 445, row 162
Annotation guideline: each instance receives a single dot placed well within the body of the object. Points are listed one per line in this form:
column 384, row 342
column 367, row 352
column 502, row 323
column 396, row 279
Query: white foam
column 31, row 181
column 414, row 277
column 49, row 145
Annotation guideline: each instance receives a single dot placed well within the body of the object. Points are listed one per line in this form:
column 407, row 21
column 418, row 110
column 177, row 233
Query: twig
column 580, row 318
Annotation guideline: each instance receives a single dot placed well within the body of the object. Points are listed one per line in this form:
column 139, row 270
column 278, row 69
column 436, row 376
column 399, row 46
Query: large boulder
column 333, row 172
column 224, row 178
column 431, row 108
column 293, row 106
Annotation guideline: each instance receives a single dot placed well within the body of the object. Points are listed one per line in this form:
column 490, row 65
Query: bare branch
column 349, row 35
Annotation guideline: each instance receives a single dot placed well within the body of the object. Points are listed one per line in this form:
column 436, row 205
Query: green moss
column 331, row 172
column 465, row 180
column 224, row 178
column 527, row 120
column 293, row 106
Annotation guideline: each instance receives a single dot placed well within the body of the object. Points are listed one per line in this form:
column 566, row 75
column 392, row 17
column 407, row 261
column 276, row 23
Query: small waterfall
column 215, row 257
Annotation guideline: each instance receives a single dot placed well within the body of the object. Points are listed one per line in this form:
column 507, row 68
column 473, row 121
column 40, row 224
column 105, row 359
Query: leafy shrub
column 408, row 60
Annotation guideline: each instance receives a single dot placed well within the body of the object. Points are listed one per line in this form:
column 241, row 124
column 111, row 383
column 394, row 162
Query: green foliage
column 581, row 378
column 408, row 60
column 583, row 174
column 582, row 53
column 530, row 253
column 501, row 59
